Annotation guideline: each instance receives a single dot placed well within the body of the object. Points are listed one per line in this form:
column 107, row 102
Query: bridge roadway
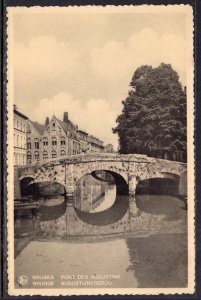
column 127, row 170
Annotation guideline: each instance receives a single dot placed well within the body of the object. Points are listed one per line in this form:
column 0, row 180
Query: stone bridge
column 127, row 170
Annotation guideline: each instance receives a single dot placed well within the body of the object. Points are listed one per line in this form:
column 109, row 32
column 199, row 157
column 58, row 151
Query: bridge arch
column 159, row 183
column 117, row 199
column 25, row 182
column 27, row 176
column 40, row 189
column 159, row 174
column 80, row 170
column 120, row 178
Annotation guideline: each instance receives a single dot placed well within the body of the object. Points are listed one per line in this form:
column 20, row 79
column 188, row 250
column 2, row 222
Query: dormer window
column 53, row 124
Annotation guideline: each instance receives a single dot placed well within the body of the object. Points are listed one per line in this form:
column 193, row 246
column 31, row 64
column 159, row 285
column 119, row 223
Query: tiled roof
column 69, row 126
column 20, row 114
column 39, row 127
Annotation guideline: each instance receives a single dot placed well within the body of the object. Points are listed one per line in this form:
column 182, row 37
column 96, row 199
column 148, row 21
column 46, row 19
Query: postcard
column 100, row 155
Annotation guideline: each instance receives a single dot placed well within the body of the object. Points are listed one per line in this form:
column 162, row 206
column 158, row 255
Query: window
column 29, row 133
column 45, row 142
column 21, row 142
column 29, row 157
column 28, row 144
column 36, row 143
column 53, row 124
column 54, row 143
column 21, row 126
column 54, row 132
column 17, row 140
column 54, row 154
column 63, row 153
column 63, row 142
column 17, row 124
column 24, row 127
column 36, row 155
column 45, row 155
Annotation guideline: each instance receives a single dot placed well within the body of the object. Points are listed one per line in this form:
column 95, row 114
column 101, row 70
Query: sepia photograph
column 100, row 150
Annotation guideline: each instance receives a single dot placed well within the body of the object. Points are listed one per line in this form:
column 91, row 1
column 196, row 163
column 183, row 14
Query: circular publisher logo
column 23, row 280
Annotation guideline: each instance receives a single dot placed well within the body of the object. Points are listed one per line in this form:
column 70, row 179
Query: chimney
column 47, row 120
column 65, row 118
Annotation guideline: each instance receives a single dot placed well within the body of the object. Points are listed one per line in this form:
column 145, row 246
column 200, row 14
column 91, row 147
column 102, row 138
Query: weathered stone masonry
column 132, row 168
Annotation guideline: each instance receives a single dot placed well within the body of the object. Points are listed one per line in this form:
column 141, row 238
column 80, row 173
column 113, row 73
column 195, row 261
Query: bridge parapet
column 95, row 157
column 131, row 167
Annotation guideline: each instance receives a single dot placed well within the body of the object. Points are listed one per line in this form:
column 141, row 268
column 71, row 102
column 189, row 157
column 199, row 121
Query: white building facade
column 19, row 124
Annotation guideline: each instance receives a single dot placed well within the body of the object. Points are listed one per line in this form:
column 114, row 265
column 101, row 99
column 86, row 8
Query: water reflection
column 160, row 205
column 95, row 192
column 160, row 260
column 52, row 209
column 154, row 254
column 107, row 216
column 107, row 200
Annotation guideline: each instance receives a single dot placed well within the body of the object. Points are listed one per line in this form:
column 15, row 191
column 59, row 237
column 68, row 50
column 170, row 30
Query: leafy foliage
column 153, row 120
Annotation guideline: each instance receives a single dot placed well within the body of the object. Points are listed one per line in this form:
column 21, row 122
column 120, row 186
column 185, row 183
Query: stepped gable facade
column 58, row 138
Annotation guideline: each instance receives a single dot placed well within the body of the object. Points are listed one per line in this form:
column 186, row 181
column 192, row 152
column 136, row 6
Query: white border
column 183, row 9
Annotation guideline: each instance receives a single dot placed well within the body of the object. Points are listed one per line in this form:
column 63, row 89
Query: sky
column 83, row 63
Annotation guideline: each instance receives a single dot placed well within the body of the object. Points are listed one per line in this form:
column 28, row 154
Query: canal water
column 135, row 259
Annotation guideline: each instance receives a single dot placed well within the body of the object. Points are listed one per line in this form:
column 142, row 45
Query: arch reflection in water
column 95, row 192
column 98, row 198
column 52, row 209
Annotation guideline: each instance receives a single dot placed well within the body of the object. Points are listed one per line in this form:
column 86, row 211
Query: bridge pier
column 132, row 184
column 70, row 193
column 133, row 209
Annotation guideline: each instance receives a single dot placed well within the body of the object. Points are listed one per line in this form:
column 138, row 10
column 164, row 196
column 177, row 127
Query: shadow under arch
column 99, row 178
column 44, row 189
column 25, row 183
column 115, row 212
column 159, row 186
column 121, row 184
column 50, row 196
column 159, row 195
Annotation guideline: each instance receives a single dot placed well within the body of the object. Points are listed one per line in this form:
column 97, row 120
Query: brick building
column 58, row 138
column 19, row 121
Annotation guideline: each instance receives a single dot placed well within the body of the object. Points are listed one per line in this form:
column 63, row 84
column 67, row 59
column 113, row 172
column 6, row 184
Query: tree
column 153, row 119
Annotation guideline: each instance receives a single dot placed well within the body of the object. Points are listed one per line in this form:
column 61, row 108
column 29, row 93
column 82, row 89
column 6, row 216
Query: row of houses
column 35, row 142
